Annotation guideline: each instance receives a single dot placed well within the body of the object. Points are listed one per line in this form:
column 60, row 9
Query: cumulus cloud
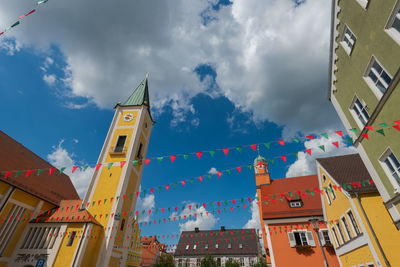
column 50, row 79
column 306, row 164
column 146, row 203
column 60, row 158
column 254, row 221
column 270, row 57
column 213, row 170
column 203, row 221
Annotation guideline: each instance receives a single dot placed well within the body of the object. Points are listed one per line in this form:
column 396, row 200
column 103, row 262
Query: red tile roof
column 67, row 212
column 52, row 188
column 311, row 204
column 151, row 250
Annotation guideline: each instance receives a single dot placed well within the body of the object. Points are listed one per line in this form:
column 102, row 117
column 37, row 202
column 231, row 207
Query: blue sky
column 211, row 90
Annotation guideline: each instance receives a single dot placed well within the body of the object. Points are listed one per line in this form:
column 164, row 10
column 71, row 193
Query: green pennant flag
column 249, row 166
column 197, row 206
column 41, row 2
column 384, row 125
column 109, row 165
column 290, row 194
column 241, row 200
column 381, row 132
column 281, row 199
column 296, row 155
column 273, row 196
column 312, row 193
column 144, row 192
column 257, row 198
column 62, row 170
column 209, row 176
column 159, row 189
column 354, row 130
column 322, row 148
column 191, row 181
column 228, row 172
column 325, row 135
column 271, row 161
column 211, row 204
column 39, row 172
column 169, row 209
column 201, row 214
column 266, row 202
column 15, row 24
column 18, row 173
column 85, row 167
column 134, row 163
column 174, row 184
column 297, row 140
column 159, row 159
column 239, row 148
column 185, row 156
column 226, row 202
column 267, row 145
column 349, row 139
column 212, row 152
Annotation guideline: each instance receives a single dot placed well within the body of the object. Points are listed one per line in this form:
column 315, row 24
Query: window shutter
column 292, row 240
column 310, row 239
column 321, row 238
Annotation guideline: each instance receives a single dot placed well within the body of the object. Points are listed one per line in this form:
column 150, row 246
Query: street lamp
column 315, row 225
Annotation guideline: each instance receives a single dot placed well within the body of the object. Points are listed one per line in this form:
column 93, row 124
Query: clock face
column 128, row 117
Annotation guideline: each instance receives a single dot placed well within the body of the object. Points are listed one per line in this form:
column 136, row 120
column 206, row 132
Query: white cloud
column 306, row 164
column 254, row 221
column 267, row 62
column 50, row 79
column 146, row 204
column 75, row 140
column 213, row 170
column 203, row 222
column 60, row 158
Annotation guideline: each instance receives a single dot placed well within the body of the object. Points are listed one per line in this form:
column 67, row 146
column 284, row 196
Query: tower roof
column 140, row 96
column 260, row 158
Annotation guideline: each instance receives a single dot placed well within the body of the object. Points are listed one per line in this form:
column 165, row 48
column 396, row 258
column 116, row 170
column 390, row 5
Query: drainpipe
column 372, row 231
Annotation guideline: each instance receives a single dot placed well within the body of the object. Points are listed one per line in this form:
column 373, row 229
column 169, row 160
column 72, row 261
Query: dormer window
column 119, row 147
column 297, row 203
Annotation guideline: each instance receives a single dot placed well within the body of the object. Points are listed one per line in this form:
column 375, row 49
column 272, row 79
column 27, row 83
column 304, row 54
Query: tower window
column 122, row 224
column 119, row 147
column 71, row 238
column 139, row 153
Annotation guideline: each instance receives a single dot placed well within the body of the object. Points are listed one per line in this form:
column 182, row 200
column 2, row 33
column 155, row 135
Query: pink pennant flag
column 195, row 215
column 369, row 127
column 226, row 150
column 219, row 174
column 336, row 144
column 98, row 166
column 147, row 161
column 283, row 158
column 164, row 222
column 199, row 154
column 339, row 133
column 28, row 172
column 253, row 147
column 365, row 135
column 122, row 163
column 281, row 142
column 219, row 211
column 238, row 169
column 149, row 211
column 167, row 187
column 173, row 157
column 310, row 137
column 308, row 151
column 74, row 169
column 201, row 179
column 183, row 183
column 51, row 171
column 137, row 194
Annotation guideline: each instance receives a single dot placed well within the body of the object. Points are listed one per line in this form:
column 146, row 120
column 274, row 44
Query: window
column 8, row 227
column 377, row 77
column 346, row 226
column 325, row 237
column 216, row 246
column 353, row 222
column 187, row 247
column 348, row 40
column 296, row 203
column 119, row 147
column 122, row 224
column 139, row 153
column 301, row 238
column 393, row 25
column 241, row 261
column 229, row 245
column 391, row 166
column 323, row 178
column 198, row 261
column 328, row 198
column 194, row 247
column 206, row 247
column 240, row 246
column 71, row 238
column 339, row 227
column 370, row 264
column 359, row 112
column 335, row 235
column 332, row 191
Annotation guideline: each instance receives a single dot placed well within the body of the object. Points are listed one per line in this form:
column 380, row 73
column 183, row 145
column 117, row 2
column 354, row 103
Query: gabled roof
column 140, row 96
column 280, row 210
column 67, row 212
column 347, row 169
column 52, row 188
column 247, row 237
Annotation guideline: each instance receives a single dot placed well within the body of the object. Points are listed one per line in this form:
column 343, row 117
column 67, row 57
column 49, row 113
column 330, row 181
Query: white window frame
column 328, row 198
column 295, row 204
column 355, row 115
column 7, row 229
column 335, row 236
column 349, row 235
column 351, row 223
column 322, row 237
column 344, row 43
column 340, row 233
column 370, row 263
column 385, row 155
column 187, row 247
column 388, row 28
column 370, row 82
column 363, row 3
column 310, row 240
column 332, row 191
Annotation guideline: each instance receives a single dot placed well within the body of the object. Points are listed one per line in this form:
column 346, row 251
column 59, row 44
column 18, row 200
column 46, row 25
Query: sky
column 222, row 74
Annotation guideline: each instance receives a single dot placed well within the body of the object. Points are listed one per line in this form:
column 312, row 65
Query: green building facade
column 364, row 87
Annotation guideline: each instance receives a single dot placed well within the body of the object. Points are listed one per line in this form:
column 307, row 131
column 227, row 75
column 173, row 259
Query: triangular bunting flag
column 296, row 155
column 238, row 169
column 146, row 161
column 384, row 125
column 183, row 183
column 38, row 172
column 228, row 172
column 199, row 154
column 201, row 179
column 134, row 163
column 173, row 157
column 397, row 127
column 271, row 161
column 51, row 171
column 212, row 152
column 62, row 170
column 296, row 140
column 122, row 163
column 74, row 168
column 369, row 127
column 267, row 145
column 308, row 151
column 322, row 148
column 325, row 135
column 354, row 130
column 336, row 144
column 381, row 132
column 219, row 174
column 339, row 133
column 109, row 165
column 310, row 137
column 253, row 147
column 159, row 159
column 226, row 150
column 239, row 148
column 365, row 135
column 281, row 142
column 283, row 158
column 185, row 156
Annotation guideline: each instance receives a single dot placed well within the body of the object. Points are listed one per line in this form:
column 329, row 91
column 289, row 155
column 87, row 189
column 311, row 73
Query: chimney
column 196, row 230
column 222, row 228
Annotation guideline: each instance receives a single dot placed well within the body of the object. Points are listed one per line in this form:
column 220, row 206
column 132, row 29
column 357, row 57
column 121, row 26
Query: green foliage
column 260, row 263
column 208, row 261
column 232, row 263
column 166, row 260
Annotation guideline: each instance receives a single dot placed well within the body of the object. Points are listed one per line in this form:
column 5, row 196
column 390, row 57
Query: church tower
column 262, row 177
column 112, row 191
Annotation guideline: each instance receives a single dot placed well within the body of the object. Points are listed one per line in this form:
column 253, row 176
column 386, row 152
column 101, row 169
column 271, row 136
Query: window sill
column 349, row 241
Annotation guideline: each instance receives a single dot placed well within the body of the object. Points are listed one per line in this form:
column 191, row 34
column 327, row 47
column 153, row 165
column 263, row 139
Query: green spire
column 140, row 96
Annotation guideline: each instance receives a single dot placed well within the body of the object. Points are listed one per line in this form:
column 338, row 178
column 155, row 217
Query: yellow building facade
column 101, row 229
column 361, row 228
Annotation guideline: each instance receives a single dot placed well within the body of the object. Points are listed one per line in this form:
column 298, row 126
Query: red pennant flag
column 201, row 179
column 51, row 171
column 244, row 206
column 137, row 213
column 219, row 203
column 310, row 137
column 219, row 174
column 231, row 209
column 398, row 122
column 283, row 158
column 164, row 222
column 111, row 200
column 147, row 161
column 253, row 147
column 162, row 210
column 167, row 187
column 369, row 128
column 397, row 127
column 289, row 198
column 190, row 207
column 234, row 201
column 149, row 211
column 7, row 174
column 199, row 154
column 98, row 202
column 122, row 163
column 28, row 172
column 184, row 217
column 371, row 181
column 207, row 213
column 249, row 199
column 281, row 142
column 74, row 169
column 204, row 205
column 308, row 151
column 137, row 194
column 152, row 190
column 183, row 183
column 173, row 157
column 176, row 208
column 339, row 133
column 238, row 169
column 98, row 166
column 365, row 135
column 219, row 211
column 195, row 215
column 336, row 144
column 226, row 150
